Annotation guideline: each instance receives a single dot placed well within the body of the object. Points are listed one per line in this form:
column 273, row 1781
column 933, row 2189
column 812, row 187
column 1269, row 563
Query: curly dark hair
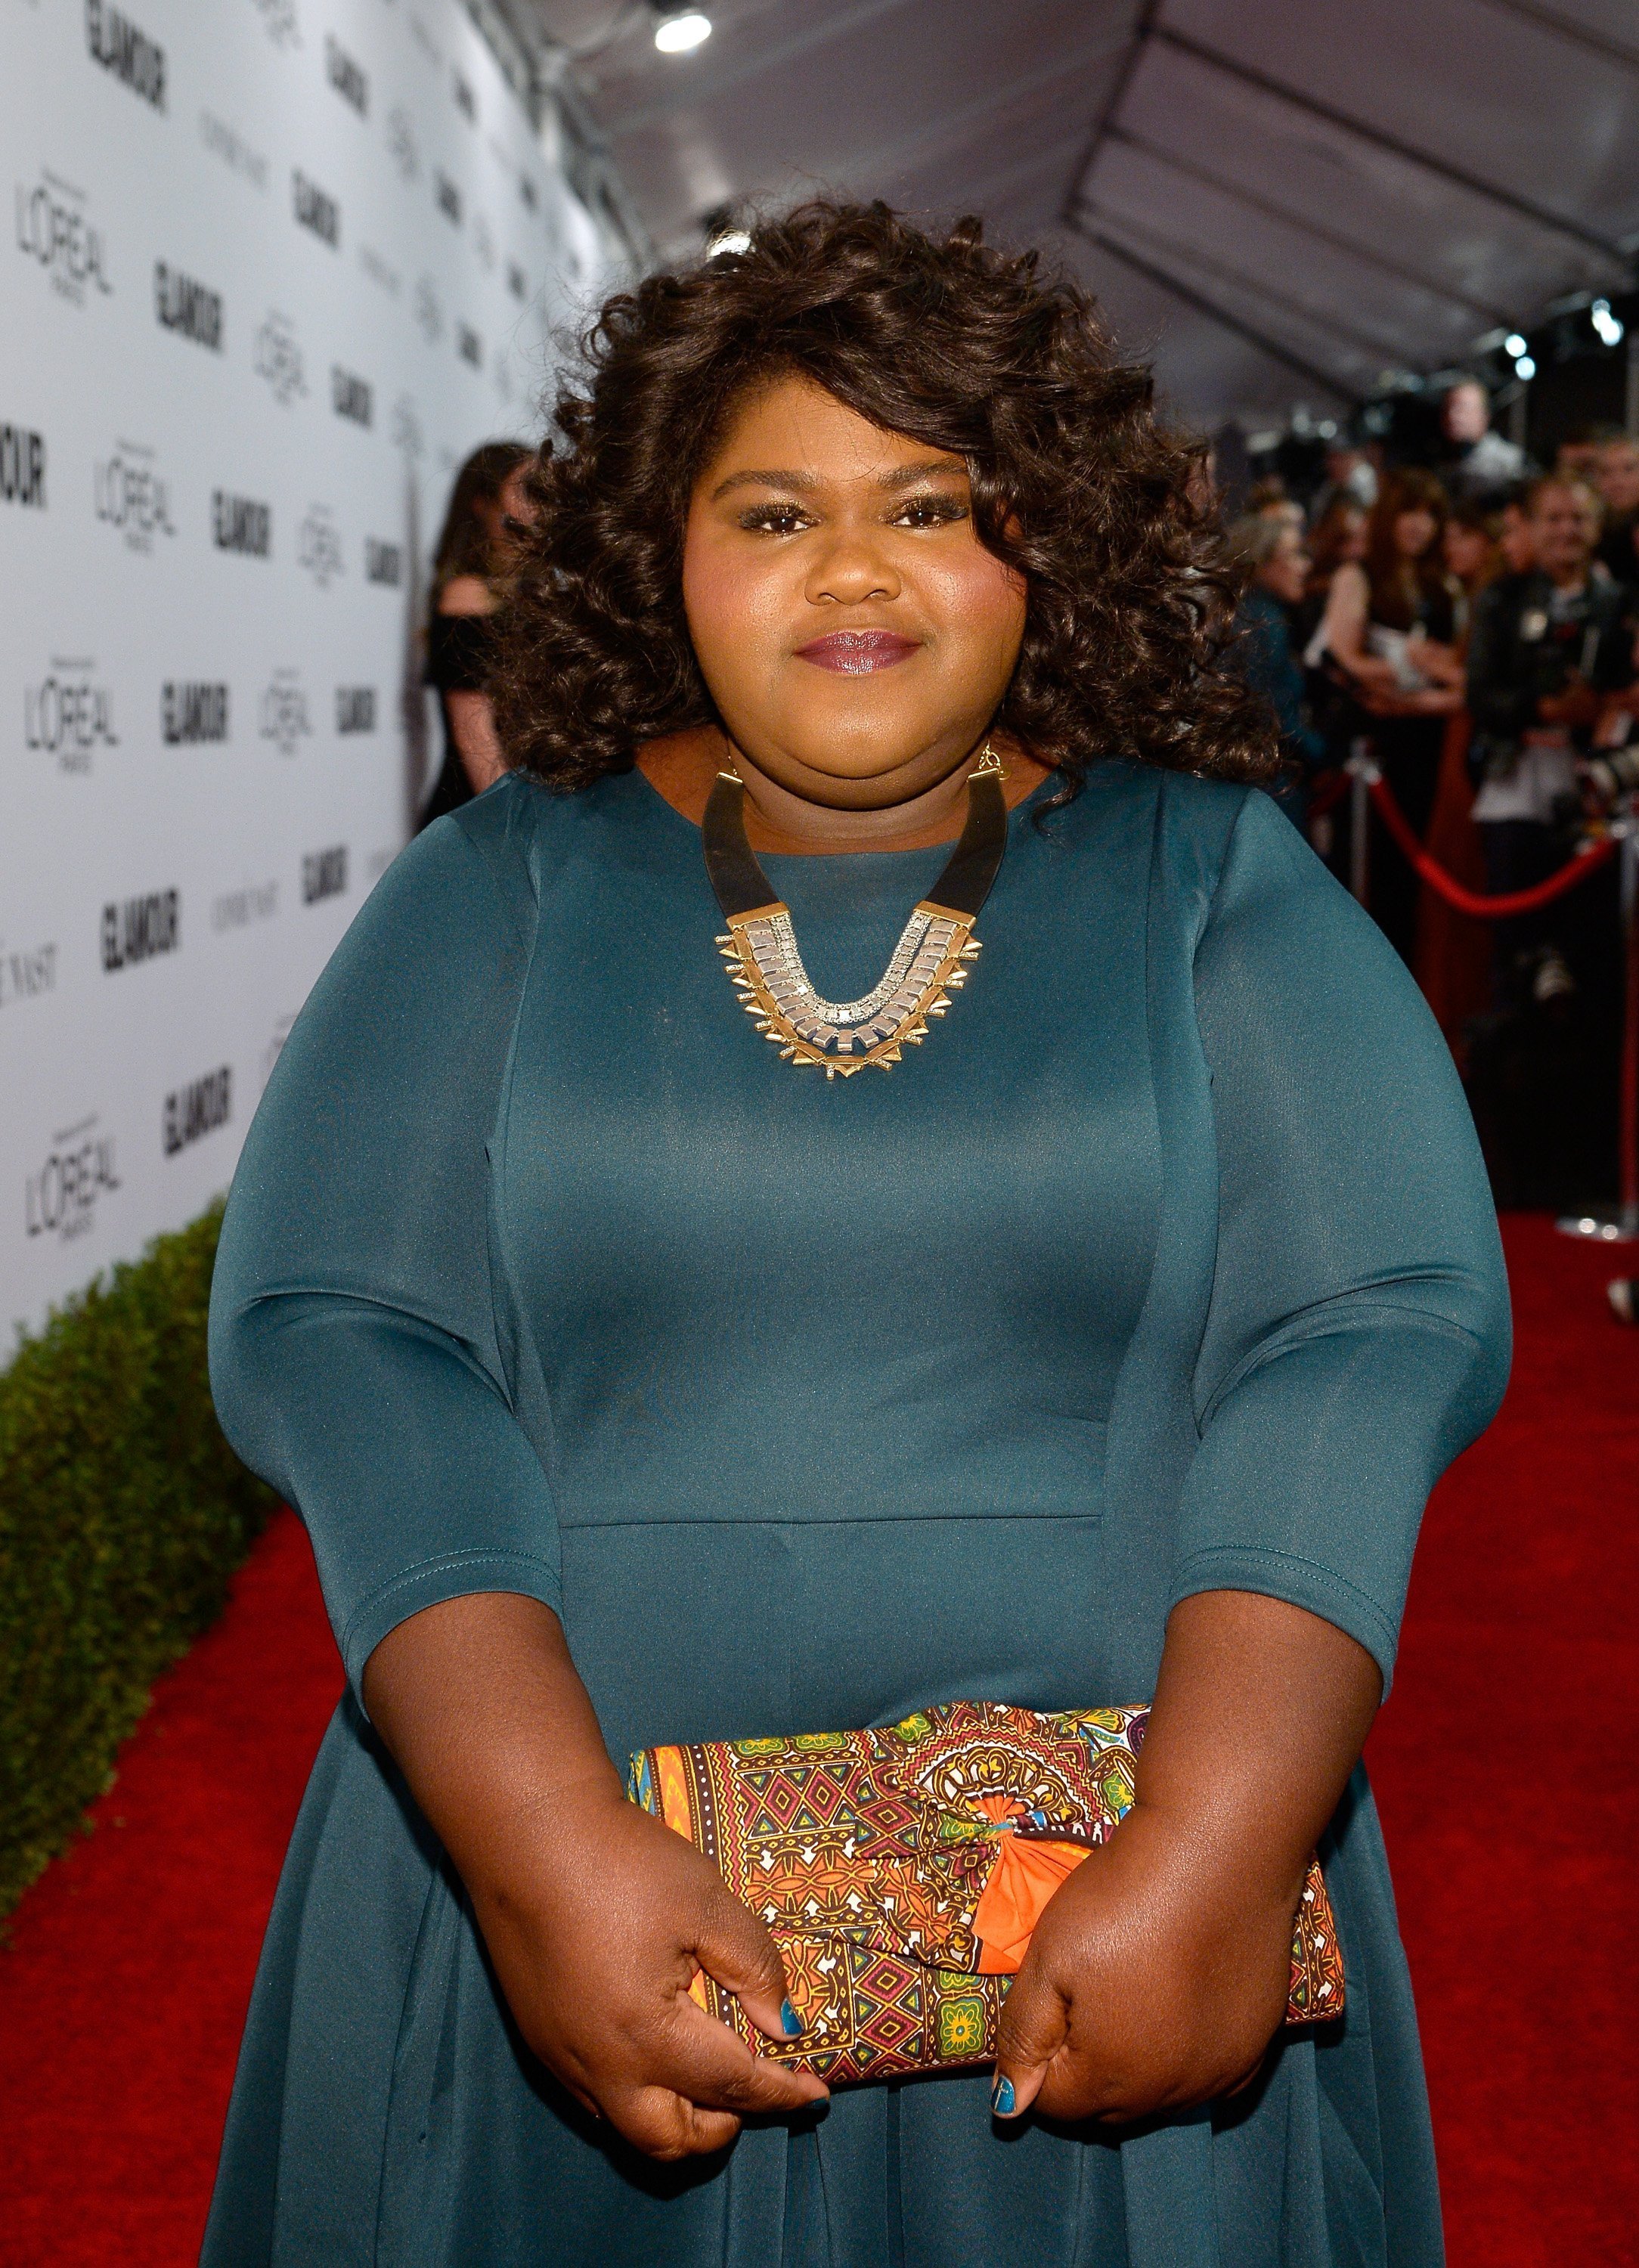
column 970, row 350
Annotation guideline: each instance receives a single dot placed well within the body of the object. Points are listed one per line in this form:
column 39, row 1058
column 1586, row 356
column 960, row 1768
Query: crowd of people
column 1471, row 626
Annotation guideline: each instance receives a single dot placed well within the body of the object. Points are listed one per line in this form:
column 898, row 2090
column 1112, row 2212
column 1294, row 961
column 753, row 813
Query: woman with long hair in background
column 1391, row 625
column 486, row 504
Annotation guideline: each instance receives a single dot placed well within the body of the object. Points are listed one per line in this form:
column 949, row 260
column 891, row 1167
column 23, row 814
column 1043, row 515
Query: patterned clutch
column 902, row 1870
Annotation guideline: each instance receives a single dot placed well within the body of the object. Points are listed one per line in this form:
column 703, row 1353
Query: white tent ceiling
column 1282, row 200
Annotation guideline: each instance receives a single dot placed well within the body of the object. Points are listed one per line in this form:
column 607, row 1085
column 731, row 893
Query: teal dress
column 1165, row 1265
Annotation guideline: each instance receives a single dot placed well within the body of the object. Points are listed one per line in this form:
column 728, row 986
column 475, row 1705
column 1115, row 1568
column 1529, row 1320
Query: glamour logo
column 356, row 708
column 427, row 312
column 315, row 209
column 190, row 713
column 351, row 396
column 384, row 563
column 449, row 197
column 517, row 282
column 129, row 493
column 282, row 715
column 242, row 524
column 22, row 466
column 115, row 42
column 68, row 715
column 403, row 148
column 59, row 1199
column 197, row 1109
column 140, row 929
column 346, row 76
column 188, row 306
column 468, row 345
column 55, row 231
column 27, row 972
column 251, row 901
column 277, row 359
column 324, row 874
column 466, row 101
column 319, row 547
column 228, row 144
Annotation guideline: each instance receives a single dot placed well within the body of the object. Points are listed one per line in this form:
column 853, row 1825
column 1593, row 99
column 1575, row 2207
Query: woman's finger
column 1034, row 2028
column 735, row 1949
column 707, row 2065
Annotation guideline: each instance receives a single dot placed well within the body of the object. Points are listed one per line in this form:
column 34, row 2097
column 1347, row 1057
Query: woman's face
column 1285, row 573
column 1467, row 550
column 1414, row 531
column 1354, row 539
column 856, row 636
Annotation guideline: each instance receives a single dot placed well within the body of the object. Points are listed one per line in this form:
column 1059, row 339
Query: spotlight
column 1611, row 328
column 1513, row 344
column 678, row 33
column 1523, row 367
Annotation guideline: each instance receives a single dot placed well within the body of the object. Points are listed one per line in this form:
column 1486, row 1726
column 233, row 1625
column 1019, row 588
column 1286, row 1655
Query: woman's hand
column 596, row 1937
column 1156, row 1978
column 1158, row 1973
column 596, row 1914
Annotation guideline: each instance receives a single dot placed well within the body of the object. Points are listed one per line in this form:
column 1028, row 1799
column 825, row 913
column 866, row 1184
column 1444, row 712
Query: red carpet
column 1505, row 1768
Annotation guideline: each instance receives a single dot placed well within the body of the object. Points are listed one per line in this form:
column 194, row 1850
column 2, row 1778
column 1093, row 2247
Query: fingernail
column 790, row 2019
column 1002, row 2097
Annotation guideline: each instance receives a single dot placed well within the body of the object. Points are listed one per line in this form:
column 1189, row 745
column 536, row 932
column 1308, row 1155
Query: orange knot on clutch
column 903, row 1869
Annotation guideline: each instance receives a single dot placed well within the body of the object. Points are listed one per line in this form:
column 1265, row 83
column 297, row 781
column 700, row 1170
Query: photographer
column 1550, row 649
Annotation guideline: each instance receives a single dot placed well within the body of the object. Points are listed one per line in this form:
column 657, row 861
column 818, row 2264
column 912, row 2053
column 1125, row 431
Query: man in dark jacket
column 1547, row 649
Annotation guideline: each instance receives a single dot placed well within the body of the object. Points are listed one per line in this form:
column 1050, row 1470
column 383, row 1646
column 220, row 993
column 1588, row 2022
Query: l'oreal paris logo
column 319, row 546
column 283, row 717
column 130, row 494
column 277, row 358
column 60, row 1198
column 67, row 714
column 55, row 231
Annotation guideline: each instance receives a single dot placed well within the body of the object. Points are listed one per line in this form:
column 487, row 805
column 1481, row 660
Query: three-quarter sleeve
column 361, row 1357
column 1357, row 1336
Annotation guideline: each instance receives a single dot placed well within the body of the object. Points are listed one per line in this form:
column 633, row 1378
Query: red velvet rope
column 1468, row 901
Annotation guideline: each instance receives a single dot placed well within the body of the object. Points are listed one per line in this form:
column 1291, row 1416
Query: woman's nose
column 851, row 570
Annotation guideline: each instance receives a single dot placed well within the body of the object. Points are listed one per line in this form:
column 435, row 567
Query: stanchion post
column 1360, row 768
column 1622, row 1227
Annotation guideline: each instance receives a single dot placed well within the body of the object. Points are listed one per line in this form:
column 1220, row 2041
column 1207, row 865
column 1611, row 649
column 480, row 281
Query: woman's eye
column 929, row 512
column 774, row 519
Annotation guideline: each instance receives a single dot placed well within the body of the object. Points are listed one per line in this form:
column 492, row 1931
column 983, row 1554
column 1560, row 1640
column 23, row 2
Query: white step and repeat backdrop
column 275, row 267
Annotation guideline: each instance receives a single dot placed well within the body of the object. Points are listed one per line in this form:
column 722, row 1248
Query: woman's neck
column 682, row 767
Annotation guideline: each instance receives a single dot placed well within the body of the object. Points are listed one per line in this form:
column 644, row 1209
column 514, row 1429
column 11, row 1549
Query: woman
column 1271, row 555
column 487, row 505
column 1390, row 625
column 638, row 1384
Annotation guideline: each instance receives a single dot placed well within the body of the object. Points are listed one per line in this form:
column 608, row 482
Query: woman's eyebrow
column 905, row 476
column 800, row 480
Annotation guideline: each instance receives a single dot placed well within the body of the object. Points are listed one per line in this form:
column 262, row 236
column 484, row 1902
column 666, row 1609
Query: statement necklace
column 927, row 964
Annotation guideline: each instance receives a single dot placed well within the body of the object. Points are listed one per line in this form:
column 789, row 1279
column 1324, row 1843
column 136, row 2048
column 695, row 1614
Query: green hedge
column 123, row 1512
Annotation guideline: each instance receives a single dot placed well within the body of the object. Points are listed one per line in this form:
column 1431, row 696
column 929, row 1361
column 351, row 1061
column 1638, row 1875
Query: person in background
column 1549, row 649
column 1271, row 552
column 1473, row 555
column 1267, row 498
column 1350, row 477
column 1616, row 477
column 1513, row 532
column 486, row 504
column 1391, row 625
column 1577, row 455
column 1475, row 461
column 1339, row 534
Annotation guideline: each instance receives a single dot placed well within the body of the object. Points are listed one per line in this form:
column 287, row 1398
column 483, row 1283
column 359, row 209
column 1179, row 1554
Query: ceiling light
column 677, row 34
column 1523, row 367
column 1611, row 328
column 1513, row 344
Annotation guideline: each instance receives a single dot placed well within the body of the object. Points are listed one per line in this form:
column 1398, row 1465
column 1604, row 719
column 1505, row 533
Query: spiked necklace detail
column 932, row 959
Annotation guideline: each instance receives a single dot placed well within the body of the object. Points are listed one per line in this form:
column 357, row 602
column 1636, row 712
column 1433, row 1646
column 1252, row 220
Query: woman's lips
column 856, row 653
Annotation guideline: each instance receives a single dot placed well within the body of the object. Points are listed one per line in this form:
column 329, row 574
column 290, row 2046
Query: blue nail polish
column 1002, row 2097
column 790, row 2019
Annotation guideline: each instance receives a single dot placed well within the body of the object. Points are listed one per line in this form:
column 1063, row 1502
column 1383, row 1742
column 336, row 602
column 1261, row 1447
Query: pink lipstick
column 856, row 653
